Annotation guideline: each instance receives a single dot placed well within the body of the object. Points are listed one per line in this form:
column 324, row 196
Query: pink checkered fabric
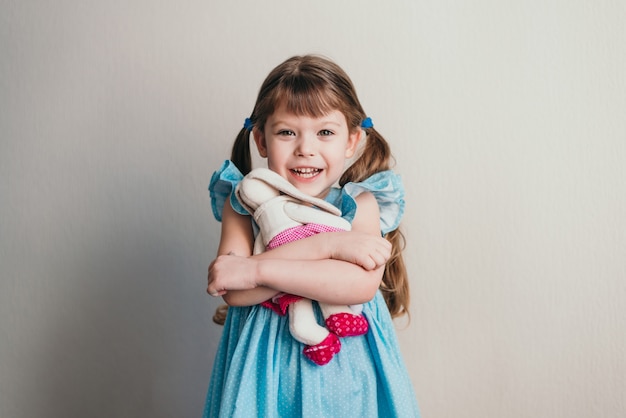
column 299, row 232
column 281, row 301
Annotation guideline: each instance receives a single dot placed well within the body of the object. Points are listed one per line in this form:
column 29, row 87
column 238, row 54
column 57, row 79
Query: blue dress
column 259, row 369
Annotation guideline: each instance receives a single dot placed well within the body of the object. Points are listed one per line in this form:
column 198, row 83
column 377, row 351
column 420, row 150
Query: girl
column 308, row 122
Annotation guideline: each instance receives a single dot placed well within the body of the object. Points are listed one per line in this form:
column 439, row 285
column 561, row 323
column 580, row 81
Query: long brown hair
column 312, row 86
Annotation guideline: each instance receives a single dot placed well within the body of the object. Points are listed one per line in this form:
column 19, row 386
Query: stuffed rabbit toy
column 284, row 214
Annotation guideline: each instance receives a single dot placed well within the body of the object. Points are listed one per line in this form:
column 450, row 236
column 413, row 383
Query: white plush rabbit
column 284, row 214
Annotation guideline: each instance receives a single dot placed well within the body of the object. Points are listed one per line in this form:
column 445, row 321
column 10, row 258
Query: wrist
column 258, row 272
column 330, row 245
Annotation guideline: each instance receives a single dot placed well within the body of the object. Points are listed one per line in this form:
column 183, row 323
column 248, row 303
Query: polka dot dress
column 259, row 369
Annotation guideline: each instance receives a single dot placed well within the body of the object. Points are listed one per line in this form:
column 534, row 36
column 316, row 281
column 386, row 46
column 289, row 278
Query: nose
column 306, row 146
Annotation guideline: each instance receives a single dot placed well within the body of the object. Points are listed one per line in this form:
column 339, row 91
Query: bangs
column 303, row 98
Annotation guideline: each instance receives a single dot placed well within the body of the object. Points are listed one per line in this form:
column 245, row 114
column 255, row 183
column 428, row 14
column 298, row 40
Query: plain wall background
column 508, row 121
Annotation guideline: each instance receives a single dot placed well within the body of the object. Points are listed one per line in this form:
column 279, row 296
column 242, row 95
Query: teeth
column 306, row 172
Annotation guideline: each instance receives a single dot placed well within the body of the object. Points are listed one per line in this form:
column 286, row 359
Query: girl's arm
column 237, row 239
column 304, row 268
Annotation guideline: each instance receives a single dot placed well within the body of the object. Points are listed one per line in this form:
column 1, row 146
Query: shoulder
column 366, row 200
column 384, row 189
column 367, row 213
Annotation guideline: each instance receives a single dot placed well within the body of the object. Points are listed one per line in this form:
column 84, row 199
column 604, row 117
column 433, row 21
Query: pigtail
column 395, row 285
column 376, row 157
column 240, row 154
column 219, row 317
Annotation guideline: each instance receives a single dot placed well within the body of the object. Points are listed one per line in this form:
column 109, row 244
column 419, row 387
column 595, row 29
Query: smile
column 306, row 172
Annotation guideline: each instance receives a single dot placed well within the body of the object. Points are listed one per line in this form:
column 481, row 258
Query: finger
column 385, row 255
column 382, row 257
column 367, row 263
column 215, row 293
column 386, row 251
column 377, row 260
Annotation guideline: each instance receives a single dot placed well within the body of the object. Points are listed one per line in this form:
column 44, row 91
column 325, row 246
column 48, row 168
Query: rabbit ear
column 282, row 185
column 252, row 193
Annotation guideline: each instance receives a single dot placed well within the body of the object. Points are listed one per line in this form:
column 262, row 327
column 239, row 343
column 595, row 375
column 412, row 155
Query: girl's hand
column 231, row 272
column 363, row 249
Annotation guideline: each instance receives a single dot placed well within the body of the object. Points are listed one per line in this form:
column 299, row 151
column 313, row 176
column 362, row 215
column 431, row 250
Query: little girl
column 307, row 122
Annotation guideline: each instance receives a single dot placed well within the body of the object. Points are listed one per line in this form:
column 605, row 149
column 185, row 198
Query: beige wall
column 507, row 120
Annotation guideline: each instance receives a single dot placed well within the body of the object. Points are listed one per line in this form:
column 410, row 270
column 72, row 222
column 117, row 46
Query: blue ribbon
column 247, row 124
column 367, row 123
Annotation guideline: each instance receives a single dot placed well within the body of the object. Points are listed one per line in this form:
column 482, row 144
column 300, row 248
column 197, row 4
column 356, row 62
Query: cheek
column 275, row 154
column 275, row 158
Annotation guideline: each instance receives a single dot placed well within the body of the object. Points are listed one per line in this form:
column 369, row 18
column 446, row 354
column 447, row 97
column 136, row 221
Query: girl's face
column 309, row 152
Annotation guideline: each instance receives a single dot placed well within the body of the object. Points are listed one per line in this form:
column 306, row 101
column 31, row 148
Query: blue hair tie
column 367, row 123
column 247, row 124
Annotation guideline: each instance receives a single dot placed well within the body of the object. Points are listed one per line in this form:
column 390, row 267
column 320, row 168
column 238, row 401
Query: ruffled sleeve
column 222, row 185
column 388, row 190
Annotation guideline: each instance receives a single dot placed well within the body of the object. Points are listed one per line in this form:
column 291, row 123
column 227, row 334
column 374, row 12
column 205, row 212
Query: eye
column 325, row 132
column 286, row 132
